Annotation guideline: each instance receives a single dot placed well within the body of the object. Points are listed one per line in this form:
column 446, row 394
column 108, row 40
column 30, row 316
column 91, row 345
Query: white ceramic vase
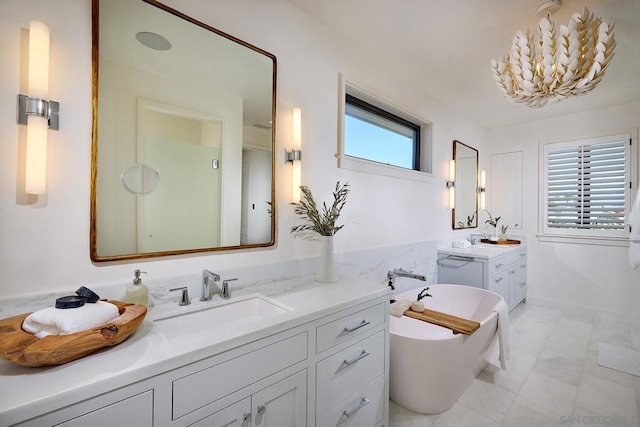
column 327, row 268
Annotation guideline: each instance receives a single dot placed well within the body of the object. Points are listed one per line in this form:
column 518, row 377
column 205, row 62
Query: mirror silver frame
column 93, row 235
column 457, row 145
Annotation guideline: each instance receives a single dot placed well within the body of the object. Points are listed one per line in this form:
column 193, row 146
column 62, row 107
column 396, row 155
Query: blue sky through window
column 371, row 142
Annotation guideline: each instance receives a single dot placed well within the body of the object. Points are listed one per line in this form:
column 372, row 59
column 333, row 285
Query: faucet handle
column 184, row 300
column 225, row 288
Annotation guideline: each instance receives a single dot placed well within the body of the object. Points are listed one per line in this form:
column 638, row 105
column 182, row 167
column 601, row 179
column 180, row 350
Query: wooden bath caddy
column 501, row 242
column 457, row 324
column 21, row 347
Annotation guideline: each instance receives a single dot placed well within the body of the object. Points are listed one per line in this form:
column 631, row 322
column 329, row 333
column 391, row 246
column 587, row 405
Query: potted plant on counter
column 493, row 222
column 323, row 222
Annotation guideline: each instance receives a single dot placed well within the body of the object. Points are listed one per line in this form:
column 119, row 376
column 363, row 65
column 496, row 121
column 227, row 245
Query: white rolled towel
column 56, row 321
column 398, row 308
column 461, row 243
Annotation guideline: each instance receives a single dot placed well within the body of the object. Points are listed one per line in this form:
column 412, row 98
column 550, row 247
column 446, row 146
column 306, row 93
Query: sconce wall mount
column 39, row 107
column 291, row 156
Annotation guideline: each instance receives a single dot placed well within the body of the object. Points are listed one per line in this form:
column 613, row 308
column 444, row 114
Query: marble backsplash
column 369, row 264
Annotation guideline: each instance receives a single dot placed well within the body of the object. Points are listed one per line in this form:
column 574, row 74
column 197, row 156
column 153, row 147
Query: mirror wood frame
column 93, row 232
column 453, row 211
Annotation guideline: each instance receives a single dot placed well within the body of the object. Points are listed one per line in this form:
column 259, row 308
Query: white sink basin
column 242, row 309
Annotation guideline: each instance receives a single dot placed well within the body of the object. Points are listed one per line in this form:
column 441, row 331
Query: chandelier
column 536, row 71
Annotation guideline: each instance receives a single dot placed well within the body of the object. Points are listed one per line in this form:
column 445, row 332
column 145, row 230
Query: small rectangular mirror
column 465, row 213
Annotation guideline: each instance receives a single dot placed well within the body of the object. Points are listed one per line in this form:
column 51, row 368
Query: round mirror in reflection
column 140, row 179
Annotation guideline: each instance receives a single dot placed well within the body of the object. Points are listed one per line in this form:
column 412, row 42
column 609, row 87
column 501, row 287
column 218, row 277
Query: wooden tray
column 21, row 347
column 457, row 324
column 501, row 242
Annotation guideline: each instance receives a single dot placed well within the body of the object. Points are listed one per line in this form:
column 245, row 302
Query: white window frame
column 362, row 165
column 587, row 236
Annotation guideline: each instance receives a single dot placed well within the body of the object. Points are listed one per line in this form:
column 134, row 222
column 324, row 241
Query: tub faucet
column 399, row 272
column 206, row 293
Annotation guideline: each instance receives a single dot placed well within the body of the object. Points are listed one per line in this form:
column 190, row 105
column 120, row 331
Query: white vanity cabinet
column 352, row 368
column 327, row 369
column 281, row 404
column 131, row 405
column 502, row 269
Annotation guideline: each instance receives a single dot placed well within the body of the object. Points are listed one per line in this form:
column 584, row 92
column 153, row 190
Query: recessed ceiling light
column 153, row 41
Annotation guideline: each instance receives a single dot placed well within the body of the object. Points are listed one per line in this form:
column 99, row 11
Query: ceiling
column 452, row 42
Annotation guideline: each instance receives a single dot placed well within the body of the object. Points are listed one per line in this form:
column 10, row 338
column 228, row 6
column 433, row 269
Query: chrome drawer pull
column 523, row 265
column 362, row 354
column 364, row 402
column 523, row 283
column 261, row 409
column 498, row 280
column 363, row 322
column 499, row 265
column 246, row 418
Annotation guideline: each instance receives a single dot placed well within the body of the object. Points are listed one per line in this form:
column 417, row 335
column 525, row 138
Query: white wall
column 586, row 275
column 44, row 243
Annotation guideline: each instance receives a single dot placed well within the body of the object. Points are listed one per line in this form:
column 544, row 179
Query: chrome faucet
column 206, row 293
column 399, row 272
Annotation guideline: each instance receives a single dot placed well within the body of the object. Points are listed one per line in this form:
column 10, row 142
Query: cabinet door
column 455, row 270
column 236, row 415
column 511, row 302
column 283, row 404
column 520, row 286
column 134, row 411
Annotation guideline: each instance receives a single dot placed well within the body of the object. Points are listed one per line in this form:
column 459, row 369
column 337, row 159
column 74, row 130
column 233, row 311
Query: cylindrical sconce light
column 43, row 114
column 295, row 155
column 451, row 184
column 482, row 190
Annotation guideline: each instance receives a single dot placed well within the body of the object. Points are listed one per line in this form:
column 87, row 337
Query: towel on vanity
column 398, row 308
column 461, row 243
column 634, row 237
column 503, row 332
column 56, row 321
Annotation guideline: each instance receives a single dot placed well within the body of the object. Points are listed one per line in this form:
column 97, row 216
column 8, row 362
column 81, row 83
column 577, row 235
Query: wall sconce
column 451, row 184
column 295, row 155
column 44, row 113
column 482, row 190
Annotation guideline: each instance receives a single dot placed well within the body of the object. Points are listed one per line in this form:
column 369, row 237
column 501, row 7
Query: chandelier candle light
column 536, row 71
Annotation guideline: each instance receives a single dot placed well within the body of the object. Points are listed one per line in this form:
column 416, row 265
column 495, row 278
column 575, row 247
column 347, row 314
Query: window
column 378, row 137
column 586, row 188
column 374, row 134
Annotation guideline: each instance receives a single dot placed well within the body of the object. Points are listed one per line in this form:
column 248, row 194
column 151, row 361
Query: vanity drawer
column 347, row 371
column 208, row 385
column 364, row 408
column 506, row 260
column 340, row 330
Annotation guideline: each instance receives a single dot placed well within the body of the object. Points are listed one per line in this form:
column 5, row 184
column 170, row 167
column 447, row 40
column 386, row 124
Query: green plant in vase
column 493, row 222
column 323, row 222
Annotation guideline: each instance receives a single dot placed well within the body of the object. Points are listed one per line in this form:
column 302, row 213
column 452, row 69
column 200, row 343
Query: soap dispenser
column 137, row 292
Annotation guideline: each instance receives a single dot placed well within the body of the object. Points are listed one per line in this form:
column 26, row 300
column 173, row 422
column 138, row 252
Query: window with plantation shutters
column 587, row 187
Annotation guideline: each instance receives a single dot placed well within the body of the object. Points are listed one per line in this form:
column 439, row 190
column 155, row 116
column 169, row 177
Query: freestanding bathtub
column 430, row 367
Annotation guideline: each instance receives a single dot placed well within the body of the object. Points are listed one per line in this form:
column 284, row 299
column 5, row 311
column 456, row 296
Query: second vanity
column 322, row 363
column 499, row 268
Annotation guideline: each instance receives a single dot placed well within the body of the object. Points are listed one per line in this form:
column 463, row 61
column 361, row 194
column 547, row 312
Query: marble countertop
column 156, row 348
column 482, row 250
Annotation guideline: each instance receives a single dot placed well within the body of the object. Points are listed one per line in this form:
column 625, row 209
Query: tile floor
column 553, row 377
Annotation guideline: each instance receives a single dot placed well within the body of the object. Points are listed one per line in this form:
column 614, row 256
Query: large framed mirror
column 183, row 135
column 465, row 212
